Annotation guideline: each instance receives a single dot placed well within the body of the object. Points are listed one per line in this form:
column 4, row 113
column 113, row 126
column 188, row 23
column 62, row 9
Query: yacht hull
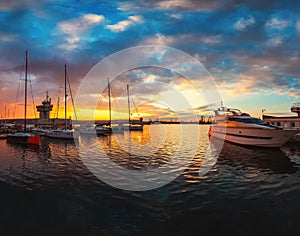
column 136, row 127
column 253, row 136
column 23, row 138
column 17, row 139
column 62, row 134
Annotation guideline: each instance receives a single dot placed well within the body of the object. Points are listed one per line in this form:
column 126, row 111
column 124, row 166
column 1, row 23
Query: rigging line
column 71, row 97
column 134, row 105
column 19, row 85
column 59, row 94
column 17, row 95
column 31, row 91
column 117, row 108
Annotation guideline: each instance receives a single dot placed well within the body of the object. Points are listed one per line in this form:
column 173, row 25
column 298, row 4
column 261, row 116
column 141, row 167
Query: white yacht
column 107, row 129
column 237, row 127
column 24, row 137
column 63, row 133
column 132, row 126
column 95, row 130
column 87, row 130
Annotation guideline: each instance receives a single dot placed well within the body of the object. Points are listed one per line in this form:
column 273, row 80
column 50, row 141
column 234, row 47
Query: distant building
column 285, row 121
column 45, row 108
column 44, row 120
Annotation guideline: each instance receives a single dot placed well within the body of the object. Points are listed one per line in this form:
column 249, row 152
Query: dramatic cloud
column 169, row 5
column 75, row 29
column 123, row 25
column 250, row 47
column 277, row 24
column 16, row 4
column 244, row 23
column 159, row 39
column 4, row 37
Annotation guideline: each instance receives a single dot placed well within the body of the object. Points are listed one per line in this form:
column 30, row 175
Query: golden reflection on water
column 143, row 151
column 141, row 137
column 155, row 146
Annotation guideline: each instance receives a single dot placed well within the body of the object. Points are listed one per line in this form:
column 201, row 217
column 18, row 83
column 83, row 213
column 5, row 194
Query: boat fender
column 34, row 140
column 209, row 131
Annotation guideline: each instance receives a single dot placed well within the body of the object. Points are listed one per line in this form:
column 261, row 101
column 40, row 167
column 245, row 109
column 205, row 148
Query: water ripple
column 244, row 182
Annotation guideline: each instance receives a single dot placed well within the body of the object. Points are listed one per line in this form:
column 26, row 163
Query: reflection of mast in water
column 109, row 101
column 109, row 145
column 263, row 159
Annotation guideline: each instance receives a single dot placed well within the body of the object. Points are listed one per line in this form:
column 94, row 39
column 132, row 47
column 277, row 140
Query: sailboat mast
column 128, row 105
column 25, row 108
column 109, row 101
column 66, row 96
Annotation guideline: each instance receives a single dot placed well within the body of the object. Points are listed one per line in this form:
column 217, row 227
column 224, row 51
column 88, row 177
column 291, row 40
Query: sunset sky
column 251, row 49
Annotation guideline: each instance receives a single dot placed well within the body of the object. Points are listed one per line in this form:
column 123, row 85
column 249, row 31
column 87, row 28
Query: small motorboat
column 237, row 127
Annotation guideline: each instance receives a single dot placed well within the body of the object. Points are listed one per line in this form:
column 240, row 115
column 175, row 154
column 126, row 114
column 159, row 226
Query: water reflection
column 292, row 149
column 137, row 150
column 60, row 187
column 248, row 161
column 32, row 166
column 265, row 159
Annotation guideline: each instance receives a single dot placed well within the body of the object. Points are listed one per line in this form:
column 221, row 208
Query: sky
column 249, row 48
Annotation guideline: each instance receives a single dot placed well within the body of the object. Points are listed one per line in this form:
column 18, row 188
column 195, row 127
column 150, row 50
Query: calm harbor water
column 48, row 190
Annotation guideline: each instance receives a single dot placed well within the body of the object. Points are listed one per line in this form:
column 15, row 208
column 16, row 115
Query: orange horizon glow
column 85, row 114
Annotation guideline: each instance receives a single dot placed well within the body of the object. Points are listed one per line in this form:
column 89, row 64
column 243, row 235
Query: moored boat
column 87, row 130
column 109, row 128
column 39, row 131
column 284, row 120
column 240, row 128
column 132, row 126
column 63, row 133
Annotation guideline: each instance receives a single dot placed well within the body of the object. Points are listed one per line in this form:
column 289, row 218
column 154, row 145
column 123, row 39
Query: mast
column 66, row 96
column 57, row 108
column 25, row 108
column 128, row 105
column 109, row 101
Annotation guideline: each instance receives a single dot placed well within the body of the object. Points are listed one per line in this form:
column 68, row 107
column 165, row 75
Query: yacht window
column 235, row 119
column 292, row 124
column 278, row 124
column 253, row 121
column 247, row 120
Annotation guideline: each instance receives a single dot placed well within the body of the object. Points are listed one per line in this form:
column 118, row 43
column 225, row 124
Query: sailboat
column 63, row 133
column 109, row 128
column 132, row 126
column 24, row 137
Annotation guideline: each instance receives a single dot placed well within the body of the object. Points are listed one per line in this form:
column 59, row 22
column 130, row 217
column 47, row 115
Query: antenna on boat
column 25, row 109
column 221, row 103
